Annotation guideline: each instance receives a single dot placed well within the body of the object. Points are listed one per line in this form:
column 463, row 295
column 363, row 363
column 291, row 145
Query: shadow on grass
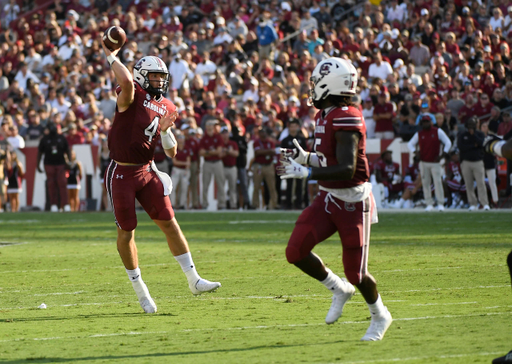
column 161, row 355
column 91, row 316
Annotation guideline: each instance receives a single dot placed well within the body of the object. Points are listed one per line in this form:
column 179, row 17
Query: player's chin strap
column 168, row 139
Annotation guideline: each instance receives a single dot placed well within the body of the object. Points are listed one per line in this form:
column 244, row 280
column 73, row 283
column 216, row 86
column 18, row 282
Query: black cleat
column 507, row 359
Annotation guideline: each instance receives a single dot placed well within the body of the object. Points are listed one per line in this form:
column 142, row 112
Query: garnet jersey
column 135, row 131
column 387, row 171
column 328, row 122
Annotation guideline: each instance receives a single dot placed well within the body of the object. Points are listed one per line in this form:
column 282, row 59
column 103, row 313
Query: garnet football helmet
column 333, row 76
column 144, row 67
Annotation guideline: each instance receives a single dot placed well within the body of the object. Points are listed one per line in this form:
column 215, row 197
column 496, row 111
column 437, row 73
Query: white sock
column 188, row 267
column 377, row 307
column 133, row 274
column 333, row 283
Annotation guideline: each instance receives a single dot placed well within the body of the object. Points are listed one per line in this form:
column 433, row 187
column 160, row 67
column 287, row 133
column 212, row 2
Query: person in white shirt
column 15, row 140
column 308, row 21
column 252, row 92
column 24, row 74
column 206, row 69
column 368, row 118
column 429, row 140
column 180, row 72
column 237, row 27
column 395, row 12
column 497, row 20
column 399, row 67
column 222, row 37
column 11, row 12
column 33, row 60
column 66, row 50
column 508, row 20
column 176, row 100
column 177, row 45
column 62, row 105
column 379, row 68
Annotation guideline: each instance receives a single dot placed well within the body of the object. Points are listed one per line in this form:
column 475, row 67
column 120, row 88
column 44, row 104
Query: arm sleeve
column 411, row 145
column 445, row 140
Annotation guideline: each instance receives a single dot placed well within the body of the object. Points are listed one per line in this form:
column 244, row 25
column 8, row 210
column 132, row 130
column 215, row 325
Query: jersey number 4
column 150, row 131
column 321, row 157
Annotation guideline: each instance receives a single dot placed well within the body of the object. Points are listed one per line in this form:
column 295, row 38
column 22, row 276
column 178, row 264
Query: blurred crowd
column 240, row 71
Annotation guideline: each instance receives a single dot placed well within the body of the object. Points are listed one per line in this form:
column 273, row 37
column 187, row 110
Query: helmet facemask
column 157, row 91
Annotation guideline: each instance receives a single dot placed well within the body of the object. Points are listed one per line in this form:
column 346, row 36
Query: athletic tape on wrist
column 111, row 59
column 168, row 139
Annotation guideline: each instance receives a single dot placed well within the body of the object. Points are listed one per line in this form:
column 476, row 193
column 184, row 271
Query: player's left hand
column 291, row 169
column 168, row 120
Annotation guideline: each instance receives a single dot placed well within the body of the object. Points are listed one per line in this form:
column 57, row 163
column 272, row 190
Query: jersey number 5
column 150, row 131
column 321, row 156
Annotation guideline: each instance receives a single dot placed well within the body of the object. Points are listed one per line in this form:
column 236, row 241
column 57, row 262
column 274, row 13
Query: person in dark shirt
column 295, row 136
column 241, row 165
column 470, row 144
column 55, row 149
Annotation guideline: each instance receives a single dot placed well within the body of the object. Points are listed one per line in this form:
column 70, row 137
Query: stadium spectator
column 181, row 174
column 470, row 144
column 14, row 174
column 103, row 163
column 506, row 125
column 387, row 172
column 383, row 115
column 55, row 149
column 15, row 139
column 294, row 188
column 230, row 154
column 490, row 169
column 75, row 173
column 210, row 147
column 263, row 168
column 429, row 140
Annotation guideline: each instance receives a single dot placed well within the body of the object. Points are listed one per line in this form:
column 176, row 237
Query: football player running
column 501, row 148
column 143, row 115
column 345, row 203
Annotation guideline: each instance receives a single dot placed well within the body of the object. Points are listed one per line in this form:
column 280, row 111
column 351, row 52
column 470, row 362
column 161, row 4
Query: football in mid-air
column 114, row 38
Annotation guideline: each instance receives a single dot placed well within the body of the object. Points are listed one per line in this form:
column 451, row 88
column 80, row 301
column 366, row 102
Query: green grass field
column 443, row 277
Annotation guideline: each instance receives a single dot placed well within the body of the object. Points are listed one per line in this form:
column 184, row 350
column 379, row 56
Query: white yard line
column 245, row 328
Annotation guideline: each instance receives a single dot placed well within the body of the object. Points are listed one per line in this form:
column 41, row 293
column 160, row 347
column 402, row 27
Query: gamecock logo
column 325, row 69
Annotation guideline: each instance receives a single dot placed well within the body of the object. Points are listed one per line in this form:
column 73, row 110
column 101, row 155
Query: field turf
column 443, row 277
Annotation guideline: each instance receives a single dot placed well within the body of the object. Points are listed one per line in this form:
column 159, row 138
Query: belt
column 213, row 161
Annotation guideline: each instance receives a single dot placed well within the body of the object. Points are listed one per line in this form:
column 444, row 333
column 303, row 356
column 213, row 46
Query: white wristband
column 497, row 147
column 111, row 59
column 168, row 139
